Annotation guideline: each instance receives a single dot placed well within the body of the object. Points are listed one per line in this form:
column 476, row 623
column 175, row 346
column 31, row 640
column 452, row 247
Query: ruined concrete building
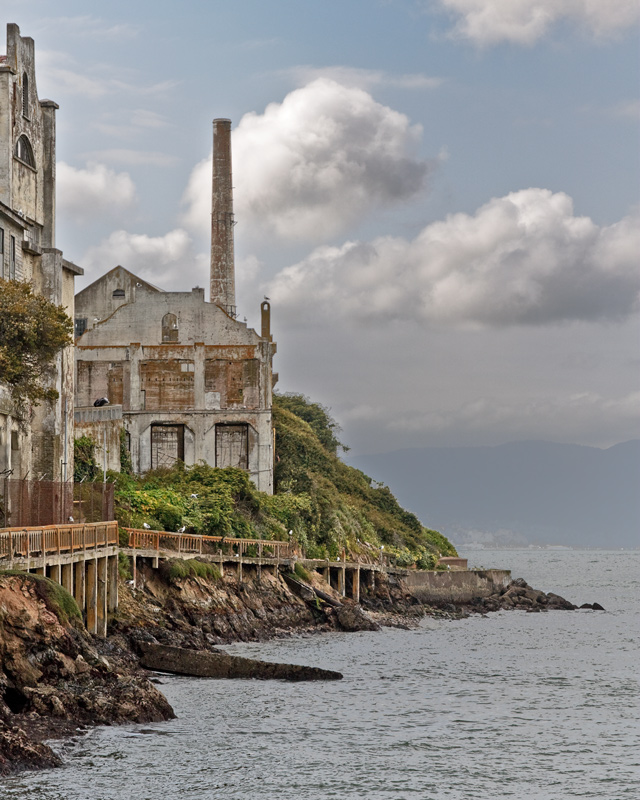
column 192, row 382
column 44, row 448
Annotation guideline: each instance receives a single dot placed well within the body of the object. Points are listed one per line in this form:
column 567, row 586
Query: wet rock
column 353, row 618
column 201, row 663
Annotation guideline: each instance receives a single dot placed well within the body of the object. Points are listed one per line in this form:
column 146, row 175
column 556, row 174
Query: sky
column 439, row 197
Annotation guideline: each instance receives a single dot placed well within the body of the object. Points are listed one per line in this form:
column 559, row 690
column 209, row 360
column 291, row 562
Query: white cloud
column 64, row 75
column 315, row 164
column 136, row 157
column 364, row 78
column 93, row 192
column 523, row 259
column 86, row 26
column 525, row 21
column 167, row 261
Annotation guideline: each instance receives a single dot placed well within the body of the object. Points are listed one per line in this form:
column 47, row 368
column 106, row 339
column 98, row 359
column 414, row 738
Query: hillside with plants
column 319, row 501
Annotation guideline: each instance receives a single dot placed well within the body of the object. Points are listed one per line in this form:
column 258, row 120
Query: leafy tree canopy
column 32, row 331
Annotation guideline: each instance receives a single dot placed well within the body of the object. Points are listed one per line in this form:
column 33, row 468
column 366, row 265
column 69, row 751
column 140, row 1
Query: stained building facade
column 193, row 382
column 43, row 447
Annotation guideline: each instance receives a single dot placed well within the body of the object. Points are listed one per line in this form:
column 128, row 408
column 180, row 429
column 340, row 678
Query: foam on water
column 512, row 705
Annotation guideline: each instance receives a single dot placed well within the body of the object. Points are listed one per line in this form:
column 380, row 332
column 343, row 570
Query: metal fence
column 25, row 503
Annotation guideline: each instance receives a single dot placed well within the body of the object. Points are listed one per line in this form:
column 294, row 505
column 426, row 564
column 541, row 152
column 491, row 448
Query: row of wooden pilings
column 83, row 558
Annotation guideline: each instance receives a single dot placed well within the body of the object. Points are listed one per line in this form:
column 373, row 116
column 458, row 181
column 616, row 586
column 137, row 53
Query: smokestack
column 223, row 281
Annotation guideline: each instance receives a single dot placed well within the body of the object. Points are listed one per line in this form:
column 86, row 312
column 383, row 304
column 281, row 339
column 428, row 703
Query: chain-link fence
column 25, row 503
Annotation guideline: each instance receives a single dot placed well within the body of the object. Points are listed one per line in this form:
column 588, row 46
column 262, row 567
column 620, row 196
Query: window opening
column 25, row 95
column 232, row 446
column 24, row 151
column 118, row 293
column 2, row 253
column 167, row 445
column 80, row 325
column 12, row 259
column 170, row 328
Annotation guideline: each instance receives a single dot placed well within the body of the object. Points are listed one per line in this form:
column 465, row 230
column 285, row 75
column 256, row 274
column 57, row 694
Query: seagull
column 182, row 529
column 71, row 519
column 194, row 495
column 146, row 527
column 101, row 401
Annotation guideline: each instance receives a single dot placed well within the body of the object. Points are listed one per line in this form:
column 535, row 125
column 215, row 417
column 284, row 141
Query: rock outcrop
column 52, row 677
column 214, row 664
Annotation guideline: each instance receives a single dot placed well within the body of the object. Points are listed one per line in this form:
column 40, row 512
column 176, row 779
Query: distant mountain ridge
column 531, row 491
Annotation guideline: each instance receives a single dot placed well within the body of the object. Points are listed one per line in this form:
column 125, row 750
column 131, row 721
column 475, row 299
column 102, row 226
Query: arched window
column 169, row 328
column 25, row 95
column 24, row 151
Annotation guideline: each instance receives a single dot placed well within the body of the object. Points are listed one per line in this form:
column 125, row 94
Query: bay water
column 510, row 705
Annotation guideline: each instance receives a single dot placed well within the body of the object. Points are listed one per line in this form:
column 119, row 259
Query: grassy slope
column 327, row 504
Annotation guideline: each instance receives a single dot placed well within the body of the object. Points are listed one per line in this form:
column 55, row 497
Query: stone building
column 44, row 447
column 193, row 382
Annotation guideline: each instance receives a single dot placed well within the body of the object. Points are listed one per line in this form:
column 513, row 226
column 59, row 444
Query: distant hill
column 522, row 492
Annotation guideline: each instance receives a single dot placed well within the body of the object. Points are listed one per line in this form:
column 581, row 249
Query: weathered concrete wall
column 103, row 425
column 455, row 586
column 211, row 383
column 27, row 218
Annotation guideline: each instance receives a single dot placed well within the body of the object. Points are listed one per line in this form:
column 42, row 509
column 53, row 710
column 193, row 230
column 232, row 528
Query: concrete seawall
column 455, row 586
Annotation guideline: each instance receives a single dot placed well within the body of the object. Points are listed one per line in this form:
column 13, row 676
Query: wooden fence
column 207, row 545
column 56, row 539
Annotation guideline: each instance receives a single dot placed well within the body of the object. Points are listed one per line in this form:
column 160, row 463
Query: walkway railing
column 56, row 539
column 207, row 545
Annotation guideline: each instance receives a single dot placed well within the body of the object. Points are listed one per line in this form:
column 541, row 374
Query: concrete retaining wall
column 455, row 586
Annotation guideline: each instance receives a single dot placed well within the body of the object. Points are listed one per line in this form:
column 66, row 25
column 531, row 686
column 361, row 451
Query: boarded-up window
column 232, row 446
column 237, row 382
column 168, row 385
column 167, row 445
column 114, row 392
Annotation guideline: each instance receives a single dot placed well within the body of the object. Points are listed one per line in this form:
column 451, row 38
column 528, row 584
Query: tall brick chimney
column 223, row 281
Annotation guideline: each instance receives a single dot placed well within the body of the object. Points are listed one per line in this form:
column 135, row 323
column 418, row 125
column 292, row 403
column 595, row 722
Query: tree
column 32, row 331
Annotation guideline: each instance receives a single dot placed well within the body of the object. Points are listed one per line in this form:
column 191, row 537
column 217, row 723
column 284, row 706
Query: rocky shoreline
column 55, row 678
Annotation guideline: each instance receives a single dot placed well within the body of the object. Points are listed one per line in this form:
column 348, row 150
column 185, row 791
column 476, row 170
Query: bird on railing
column 71, row 519
column 146, row 527
column 182, row 529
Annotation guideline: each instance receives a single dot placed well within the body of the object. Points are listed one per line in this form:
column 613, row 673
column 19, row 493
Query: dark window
column 169, row 328
column 25, row 95
column 167, row 445
column 1, row 252
column 24, row 151
column 232, row 446
column 12, row 259
column 118, row 293
column 15, row 440
column 80, row 326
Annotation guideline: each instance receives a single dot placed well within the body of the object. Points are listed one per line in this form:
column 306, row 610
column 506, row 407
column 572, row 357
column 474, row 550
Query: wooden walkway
column 81, row 557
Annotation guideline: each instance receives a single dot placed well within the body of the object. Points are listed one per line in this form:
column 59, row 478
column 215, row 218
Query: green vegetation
column 56, row 598
column 301, row 572
column 84, row 459
column 176, row 569
column 32, row 331
column 320, row 502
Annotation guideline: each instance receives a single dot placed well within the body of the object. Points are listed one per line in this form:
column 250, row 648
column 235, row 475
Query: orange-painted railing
column 56, row 539
column 208, row 545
